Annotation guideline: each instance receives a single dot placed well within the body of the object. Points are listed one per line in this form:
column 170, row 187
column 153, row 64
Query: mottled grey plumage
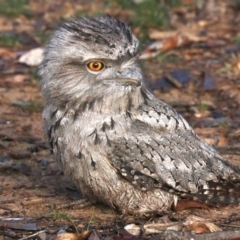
column 118, row 143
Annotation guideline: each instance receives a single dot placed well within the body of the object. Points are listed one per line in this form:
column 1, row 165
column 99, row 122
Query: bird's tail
column 220, row 193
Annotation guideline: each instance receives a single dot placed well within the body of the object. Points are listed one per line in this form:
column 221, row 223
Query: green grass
column 28, row 106
column 149, row 13
column 13, row 39
column 237, row 2
column 57, row 215
column 168, row 58
column 9, row 39
column 202, row 107
column 13, row 8
column 146, row 14
column 35, row 78
column 92, row 219
column 42, row 36
column 237, row 38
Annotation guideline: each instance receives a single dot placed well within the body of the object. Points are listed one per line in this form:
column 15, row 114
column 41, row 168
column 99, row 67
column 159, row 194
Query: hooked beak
column 124, row 81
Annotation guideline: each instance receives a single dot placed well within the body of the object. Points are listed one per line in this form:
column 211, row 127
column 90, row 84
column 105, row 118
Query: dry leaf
column 200, row 225
column 164, row 46
column 73, row 236
column 186, row 203
column 32, row 57
column 197, row 227
column 133, row 229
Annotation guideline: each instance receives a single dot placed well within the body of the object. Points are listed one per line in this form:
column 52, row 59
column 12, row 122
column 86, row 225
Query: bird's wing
column 175, row 160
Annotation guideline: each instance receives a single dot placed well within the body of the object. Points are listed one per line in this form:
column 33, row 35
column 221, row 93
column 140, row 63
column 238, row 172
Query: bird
column 112, row 137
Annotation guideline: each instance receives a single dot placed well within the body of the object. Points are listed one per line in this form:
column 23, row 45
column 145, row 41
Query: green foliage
column 168, row 58
column 92, row 219
column 56, row 215
column 28, row 106
column 147, row 13
column 9, row 39
column 150, row 13
column 35, row 78
column 173, row 3
column 224, row 124
column 202, row 106
column 236, row 2
column 13, row 8
column 237, row 39
column 14, row 39
column 42, row 36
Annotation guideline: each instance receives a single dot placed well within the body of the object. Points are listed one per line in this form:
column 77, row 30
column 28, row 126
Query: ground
column 200, row 79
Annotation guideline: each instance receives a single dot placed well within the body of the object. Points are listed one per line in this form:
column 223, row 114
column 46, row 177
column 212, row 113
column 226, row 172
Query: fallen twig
column 33, row 235
column 205, row 236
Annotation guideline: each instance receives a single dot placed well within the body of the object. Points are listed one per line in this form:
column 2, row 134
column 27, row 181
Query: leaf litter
column 198, row 74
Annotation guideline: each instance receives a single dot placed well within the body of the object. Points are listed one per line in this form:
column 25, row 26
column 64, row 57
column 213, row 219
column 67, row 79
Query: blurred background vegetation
column 42, row 16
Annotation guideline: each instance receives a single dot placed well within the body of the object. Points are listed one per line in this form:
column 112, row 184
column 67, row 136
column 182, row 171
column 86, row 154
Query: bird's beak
column 124, row 81
column 127, row 75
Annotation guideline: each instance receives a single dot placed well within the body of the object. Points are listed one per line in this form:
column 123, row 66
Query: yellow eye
column 95, row 66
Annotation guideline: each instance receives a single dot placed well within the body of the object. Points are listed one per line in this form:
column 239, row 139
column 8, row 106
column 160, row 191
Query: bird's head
column 90, row 56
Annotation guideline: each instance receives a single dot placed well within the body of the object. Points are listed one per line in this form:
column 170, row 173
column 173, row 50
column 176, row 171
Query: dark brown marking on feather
column 97, row 139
